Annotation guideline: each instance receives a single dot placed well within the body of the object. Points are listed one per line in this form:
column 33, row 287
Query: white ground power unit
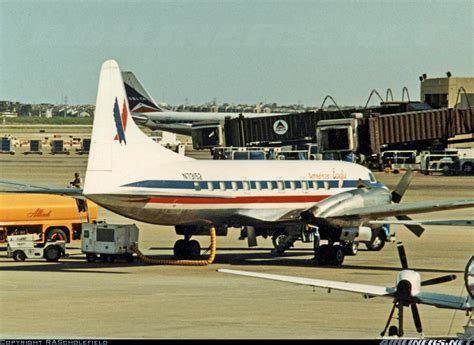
column 108, row 242
column 22, row 247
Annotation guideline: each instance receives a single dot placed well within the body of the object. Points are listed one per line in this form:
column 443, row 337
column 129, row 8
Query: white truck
column 22, row 247
column 108, row 242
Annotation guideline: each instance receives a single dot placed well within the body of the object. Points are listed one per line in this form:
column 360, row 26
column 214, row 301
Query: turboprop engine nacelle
column 341, row 203
column 408, row 284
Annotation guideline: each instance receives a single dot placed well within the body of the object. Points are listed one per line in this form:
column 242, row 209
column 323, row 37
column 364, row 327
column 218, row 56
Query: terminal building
column 447, row 92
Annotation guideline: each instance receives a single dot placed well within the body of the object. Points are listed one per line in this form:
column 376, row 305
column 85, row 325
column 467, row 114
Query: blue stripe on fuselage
column 177, row 184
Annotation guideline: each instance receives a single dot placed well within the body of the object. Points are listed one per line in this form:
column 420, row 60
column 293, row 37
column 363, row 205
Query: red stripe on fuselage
column 237, row 200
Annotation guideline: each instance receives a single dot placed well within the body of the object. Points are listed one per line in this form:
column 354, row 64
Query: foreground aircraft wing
column 367, row 290
column 443, row 301
column 463, row 222
column 408, row 208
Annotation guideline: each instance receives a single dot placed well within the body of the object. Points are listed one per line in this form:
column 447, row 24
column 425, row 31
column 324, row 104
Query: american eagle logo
column 120, row 121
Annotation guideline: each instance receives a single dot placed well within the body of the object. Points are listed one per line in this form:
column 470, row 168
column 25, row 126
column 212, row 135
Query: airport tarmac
column 74, row 298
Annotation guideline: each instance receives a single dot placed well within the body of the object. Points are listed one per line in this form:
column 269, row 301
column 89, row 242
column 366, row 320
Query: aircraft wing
column 444, row 301
column 367, row 290
column 17, row 187
column 408, row 208
column 457, row 222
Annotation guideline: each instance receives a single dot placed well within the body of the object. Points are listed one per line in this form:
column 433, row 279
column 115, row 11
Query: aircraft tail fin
column 119, row 149
column 139, row 100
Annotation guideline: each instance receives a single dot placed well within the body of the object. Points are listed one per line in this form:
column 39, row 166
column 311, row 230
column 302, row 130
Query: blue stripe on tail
column 118, row 123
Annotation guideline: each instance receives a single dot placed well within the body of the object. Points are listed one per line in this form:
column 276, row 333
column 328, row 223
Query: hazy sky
column 233, row 51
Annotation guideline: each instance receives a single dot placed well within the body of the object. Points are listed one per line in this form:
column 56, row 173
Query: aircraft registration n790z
column 129, row 174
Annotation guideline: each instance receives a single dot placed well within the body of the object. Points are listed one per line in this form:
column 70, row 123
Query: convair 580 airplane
column 133, row 176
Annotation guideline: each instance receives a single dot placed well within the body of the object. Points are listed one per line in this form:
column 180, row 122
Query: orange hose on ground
column 210, row 259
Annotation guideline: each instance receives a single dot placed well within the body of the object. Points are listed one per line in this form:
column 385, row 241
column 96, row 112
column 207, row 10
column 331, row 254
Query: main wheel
column 56, row 235
column 19, row 255
column 52, row 253
column 279, row 237
column 337, row 255
column 193, row 250
column 322, row 254
column 179, row 249
column 376, row 244
column 351, row 248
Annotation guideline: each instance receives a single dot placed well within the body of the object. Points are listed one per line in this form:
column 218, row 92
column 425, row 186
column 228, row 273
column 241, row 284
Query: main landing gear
column 329, row 254
column 187, row 249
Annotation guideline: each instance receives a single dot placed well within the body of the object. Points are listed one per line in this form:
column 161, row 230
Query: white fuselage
column 226, row 192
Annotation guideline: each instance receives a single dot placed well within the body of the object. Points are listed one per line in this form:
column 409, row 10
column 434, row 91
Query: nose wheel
column 187, row 249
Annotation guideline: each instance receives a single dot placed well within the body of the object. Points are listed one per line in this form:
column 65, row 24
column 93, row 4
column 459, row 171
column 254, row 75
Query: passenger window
column 304, row 185
column 210, row 186
column 222, row 186
column 281, row 185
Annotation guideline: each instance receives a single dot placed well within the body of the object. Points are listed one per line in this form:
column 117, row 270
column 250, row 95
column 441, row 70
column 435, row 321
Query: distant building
column 442, row 92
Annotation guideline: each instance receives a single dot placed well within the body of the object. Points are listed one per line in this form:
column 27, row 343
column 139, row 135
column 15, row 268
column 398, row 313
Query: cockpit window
column 372, row 177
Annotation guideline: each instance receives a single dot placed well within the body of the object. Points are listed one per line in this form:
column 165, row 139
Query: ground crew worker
column 77, row 183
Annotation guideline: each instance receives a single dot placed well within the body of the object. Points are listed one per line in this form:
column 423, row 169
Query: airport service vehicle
column 398, row 160
column 446, row 162
column 22, row 247
column 129, row 174
column 53, row 217
column 407, row 291
column 108, row 241
column 466, row 160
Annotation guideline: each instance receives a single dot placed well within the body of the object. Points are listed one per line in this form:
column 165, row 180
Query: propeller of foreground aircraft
column 405, row 294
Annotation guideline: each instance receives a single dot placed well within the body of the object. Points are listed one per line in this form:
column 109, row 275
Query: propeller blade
column 416, row 229
column 402, row 255
column 402, row 186
column 416, row 318
column 438, row 280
